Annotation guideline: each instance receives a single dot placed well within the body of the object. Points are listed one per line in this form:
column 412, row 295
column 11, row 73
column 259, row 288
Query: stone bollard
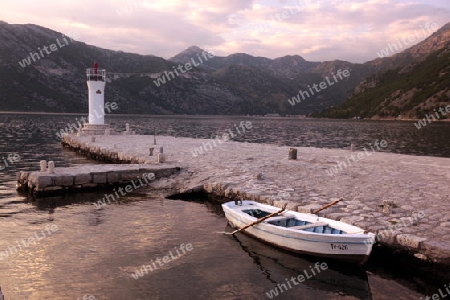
column 127, row 127
column 160, row 157
column 161, row 150
column 150, row 150
column 292, row 153
column 352, row 147
column 43, row 164
column 93, row 139
column 51, row 167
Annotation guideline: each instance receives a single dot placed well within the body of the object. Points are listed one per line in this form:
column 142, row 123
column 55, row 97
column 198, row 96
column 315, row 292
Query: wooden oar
column 326, row 206
column 258, row 221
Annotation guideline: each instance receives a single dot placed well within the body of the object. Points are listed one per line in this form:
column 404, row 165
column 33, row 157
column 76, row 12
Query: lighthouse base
column 96, row 129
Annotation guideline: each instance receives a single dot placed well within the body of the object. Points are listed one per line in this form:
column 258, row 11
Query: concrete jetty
column 404, row 199
column 86, row 177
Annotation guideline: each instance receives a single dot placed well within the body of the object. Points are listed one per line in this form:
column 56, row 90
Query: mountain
column 291, row 65
column 186, row 55
column 268, row 84
column 401, row 93
column 419, row 84
column 218, row 62
column 437, row 41
column 269, row 94
column 36, row 77
column 42, row 70
column 286, row 66
column 31, row 81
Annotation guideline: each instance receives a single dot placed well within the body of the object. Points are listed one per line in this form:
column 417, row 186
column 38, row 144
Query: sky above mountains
column 353, row 30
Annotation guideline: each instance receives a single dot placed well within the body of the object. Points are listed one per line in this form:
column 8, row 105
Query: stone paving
column 405, row 199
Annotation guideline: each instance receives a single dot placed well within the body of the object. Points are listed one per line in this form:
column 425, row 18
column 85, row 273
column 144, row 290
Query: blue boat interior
column 291, row 222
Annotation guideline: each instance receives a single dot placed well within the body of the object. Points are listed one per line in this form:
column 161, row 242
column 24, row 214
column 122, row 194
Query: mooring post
column 161, row 155
column 43, row 165
column 352, row 147
column 150, row 150
column 292, row 153
column 51, row 167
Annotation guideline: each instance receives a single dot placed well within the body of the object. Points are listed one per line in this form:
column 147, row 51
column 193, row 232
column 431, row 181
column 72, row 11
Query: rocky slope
column 34, row 80
column 417, row 85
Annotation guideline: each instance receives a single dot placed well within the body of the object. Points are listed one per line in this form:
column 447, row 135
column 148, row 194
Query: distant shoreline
column 207, row 116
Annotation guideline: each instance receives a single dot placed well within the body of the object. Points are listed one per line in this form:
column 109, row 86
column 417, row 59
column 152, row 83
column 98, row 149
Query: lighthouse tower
column 96, row 84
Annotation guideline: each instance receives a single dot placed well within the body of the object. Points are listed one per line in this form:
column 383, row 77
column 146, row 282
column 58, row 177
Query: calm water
column 94, row 252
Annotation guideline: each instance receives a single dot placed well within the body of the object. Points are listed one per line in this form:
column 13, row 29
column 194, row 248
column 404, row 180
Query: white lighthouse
column 96, row 80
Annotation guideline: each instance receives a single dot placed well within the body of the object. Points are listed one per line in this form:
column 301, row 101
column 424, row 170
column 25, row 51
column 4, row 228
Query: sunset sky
column 317, row 30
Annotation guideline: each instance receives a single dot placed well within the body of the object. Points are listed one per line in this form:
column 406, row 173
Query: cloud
column 317, row 30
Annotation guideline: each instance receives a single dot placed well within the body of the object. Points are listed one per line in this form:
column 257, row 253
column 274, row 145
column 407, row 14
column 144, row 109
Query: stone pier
column 404, row 199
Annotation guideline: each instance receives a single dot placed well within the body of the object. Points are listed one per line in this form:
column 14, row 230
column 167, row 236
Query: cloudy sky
column 318, row 30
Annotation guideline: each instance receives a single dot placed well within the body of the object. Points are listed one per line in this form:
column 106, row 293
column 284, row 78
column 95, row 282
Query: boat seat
column 277, row 218
column 317, row 224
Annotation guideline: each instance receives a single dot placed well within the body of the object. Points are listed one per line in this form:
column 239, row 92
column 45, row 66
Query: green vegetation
column 411, row 93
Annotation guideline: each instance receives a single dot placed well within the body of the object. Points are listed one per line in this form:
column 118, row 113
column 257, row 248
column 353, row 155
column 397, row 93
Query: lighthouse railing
column 93, row 74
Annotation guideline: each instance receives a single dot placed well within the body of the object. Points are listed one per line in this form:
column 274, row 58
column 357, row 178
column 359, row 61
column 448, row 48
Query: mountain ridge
column 56, row 82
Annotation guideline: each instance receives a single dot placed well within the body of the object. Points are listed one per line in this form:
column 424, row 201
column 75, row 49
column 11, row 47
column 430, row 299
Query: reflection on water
column 347, row 281
column 95, row 251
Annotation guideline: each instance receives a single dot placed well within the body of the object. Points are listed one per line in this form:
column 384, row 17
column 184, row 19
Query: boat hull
column 348, row 247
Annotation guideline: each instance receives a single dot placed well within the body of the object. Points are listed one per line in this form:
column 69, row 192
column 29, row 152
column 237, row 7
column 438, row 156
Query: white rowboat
column 300, row 232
